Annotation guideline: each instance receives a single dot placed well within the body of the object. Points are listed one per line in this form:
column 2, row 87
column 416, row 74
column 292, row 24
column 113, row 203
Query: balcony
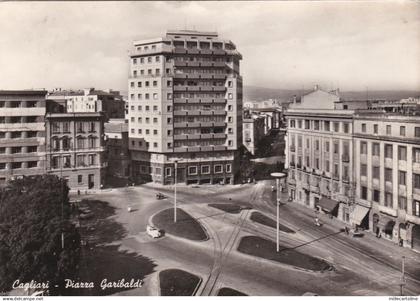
column 220, row 124
column 220, row 148
column 292, row 148
column 219, row 136
column 180, row 113
column 345, row 158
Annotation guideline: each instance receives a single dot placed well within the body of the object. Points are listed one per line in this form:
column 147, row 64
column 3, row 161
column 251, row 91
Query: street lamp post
column 176, row 174
column 402, row 277
column 277, row 176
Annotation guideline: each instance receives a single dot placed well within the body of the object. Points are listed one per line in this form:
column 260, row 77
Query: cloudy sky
column 351, row 45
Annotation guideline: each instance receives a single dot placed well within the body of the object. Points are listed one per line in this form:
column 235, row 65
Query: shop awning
column 327, row 204
column 358, row 214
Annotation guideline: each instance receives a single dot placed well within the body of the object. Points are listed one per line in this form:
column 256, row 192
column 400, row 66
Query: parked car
column 153, row 232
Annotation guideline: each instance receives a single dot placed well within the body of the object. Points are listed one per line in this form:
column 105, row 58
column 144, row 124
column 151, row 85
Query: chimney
column 316, row 87
column 294, row 99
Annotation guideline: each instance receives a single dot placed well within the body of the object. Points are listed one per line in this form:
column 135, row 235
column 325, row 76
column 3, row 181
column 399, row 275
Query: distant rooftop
column 186, row 32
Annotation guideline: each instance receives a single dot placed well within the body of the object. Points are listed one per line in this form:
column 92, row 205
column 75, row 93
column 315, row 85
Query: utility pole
column 176, row 174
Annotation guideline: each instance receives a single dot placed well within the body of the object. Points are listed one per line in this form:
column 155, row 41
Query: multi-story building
column 387, row 173
column 185, row 105
column 117, row 152
column 319, row 152
column 253, row 131
column 22, row 133
column 75, row 148
column 90, row 100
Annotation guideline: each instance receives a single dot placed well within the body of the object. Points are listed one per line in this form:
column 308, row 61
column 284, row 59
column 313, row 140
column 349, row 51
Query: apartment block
column 319, row 152
column 22, row 133
column 387, row 173
column 117, row 152
column 75, row 148
column 185, row 106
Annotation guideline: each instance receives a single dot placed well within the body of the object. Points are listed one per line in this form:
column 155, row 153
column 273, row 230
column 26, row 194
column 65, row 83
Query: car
column 153, row 231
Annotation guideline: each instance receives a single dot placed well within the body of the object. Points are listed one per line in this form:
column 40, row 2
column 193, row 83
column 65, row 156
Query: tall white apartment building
column 185, row 106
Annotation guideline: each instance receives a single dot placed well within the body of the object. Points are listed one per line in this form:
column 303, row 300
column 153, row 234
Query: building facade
column 117, row 152
column 319, row 151
column 109, row 102
column 75, row 148
column 22, row 134
column 387, row 173
column 253, row 131
column 185, row 105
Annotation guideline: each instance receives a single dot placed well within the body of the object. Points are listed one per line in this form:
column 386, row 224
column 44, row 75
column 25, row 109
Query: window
column 155, row 144
column 307, row 124
column 327, row 146
column 140, row 131
column 155, row 96
column 402, row 153
column 2, row 150
column 402, row 203
column 388, row 175
column 375, row 172
column 155, row 120
column 91, row 160
column 416, row 208
column 155, row 132
column 3, row 135
column 326, row 126
column 300, row 124
column 375, row 149
column 147, row 131
column 192, row 170
column 147, row 96
column 79, row 179
column 363, row 169
column 363, row 127
column 375, row 128
column 336, row 127
column 205, row 169
column 417, row 132
column 376, row 195
column 80, row 127
column 155, row 108
column 327, row 165
column 317, row 145
column 363, row 147
column 336, row 147
column 388, row 199
column 149, row 59
column 388, row 151
column 16, row 135
column 401, row 177
column 2, row 166
column 299, row 141
column 363, row 194
column 155, row 83
column 218, row 168
column 230, row 96
column 292, row 123
column 168, row 171
column 345, row 127
column 416, row 155
column 228, row 168
column 169, row 83
column 402, row 130
column 16, row 150
column 16, row 165
column 157, row 58
column 388, row 129
column 416, row 181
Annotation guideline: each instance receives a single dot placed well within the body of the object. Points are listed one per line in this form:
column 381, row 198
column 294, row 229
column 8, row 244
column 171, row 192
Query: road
column 362, row 266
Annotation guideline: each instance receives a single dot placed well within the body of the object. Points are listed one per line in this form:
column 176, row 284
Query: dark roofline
column 23, row 92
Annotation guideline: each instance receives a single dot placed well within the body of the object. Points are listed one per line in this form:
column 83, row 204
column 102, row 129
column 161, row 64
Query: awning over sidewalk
column 358, row 214
column 327, row 204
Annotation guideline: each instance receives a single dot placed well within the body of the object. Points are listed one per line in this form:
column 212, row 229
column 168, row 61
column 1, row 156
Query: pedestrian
column 346, row 230
column 377, row 232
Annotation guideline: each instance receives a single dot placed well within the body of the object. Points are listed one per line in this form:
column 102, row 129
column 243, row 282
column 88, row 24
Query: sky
column 285, row 45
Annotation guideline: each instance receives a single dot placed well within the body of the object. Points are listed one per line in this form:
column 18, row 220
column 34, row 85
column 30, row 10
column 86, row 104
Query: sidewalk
column 381, row 248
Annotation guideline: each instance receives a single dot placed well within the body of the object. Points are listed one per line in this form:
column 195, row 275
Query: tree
column 34, row 212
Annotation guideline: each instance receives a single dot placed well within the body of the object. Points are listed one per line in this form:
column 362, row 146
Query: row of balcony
column 200, row 100
column 200, row 136
column 199, row 76
column 192, row 149
column 199, row 88
column 199, row 124
column 200, row 113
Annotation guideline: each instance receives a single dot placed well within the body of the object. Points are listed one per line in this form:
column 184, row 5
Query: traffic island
column 266, row 249
column 174, row 282
column 227, row 291
column 269, row 222
column 230, row 208
column 186, row 226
